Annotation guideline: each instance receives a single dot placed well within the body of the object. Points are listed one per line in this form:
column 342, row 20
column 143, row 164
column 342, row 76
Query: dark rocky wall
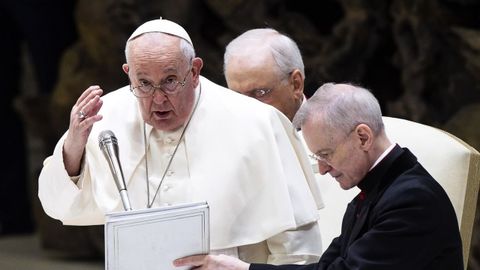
column 421, row 58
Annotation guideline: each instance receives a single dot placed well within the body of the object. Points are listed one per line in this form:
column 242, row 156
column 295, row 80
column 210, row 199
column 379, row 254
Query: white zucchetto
column 162, row 26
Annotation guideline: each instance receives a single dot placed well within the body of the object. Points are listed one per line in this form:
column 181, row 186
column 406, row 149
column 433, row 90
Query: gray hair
column 284, row 50
column 342, row 107
column 186, row 48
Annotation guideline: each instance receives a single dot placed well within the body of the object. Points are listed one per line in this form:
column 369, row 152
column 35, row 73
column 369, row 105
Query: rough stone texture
column 436, row 76
column 421, row 58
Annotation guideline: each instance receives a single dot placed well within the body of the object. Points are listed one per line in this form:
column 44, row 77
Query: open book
column 152, row 238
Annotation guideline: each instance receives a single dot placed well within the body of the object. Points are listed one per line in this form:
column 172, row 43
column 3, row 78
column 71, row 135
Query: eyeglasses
column 327, row 155
column 169, row 86
column 261, row 93
column 322, row 157
column 258, row 93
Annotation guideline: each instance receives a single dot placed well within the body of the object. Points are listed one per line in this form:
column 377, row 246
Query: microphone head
column 106, row 137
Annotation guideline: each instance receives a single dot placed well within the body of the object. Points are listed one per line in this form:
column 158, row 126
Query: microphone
column 109, row 146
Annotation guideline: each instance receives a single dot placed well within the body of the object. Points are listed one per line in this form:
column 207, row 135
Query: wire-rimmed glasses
column 259, row 93
column 170, row 87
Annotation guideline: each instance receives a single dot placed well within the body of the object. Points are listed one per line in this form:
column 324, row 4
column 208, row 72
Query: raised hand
column 82, row 117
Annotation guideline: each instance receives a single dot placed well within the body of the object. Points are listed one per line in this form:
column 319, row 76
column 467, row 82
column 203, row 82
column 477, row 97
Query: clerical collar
column 382, row 156
column 372, row 178
column 304, row 99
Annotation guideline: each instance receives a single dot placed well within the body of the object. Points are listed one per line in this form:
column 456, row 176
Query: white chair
column 452, row 162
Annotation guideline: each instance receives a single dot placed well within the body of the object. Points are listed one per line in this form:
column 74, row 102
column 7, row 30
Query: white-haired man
column 267, row 65
column 401, row 219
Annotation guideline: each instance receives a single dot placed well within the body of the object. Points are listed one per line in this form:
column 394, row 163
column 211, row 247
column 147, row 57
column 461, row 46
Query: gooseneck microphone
column 109, row 146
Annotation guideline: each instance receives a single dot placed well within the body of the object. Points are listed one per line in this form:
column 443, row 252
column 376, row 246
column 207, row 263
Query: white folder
column 152, row 238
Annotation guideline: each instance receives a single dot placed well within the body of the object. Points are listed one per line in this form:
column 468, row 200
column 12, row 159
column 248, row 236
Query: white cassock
column 241, row 156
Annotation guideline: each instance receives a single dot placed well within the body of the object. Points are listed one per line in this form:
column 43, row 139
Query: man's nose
column 323, row 167
column 159, row 96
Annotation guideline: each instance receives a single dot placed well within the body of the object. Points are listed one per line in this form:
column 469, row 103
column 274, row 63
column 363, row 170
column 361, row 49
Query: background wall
column 421, row 58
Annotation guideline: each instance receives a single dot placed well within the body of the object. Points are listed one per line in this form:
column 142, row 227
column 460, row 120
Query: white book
column 152, row 238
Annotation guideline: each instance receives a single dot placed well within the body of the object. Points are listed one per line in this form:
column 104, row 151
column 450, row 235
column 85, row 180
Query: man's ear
column 365, row 135
column 298, row 83
column 197, row 64
column 125, row 68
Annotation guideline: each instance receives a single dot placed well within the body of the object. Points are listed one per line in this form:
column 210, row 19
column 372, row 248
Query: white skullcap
column 162, row 26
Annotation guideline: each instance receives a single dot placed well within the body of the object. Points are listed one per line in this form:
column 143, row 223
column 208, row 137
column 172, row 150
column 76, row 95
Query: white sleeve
column 300, row 246
column 62, row 198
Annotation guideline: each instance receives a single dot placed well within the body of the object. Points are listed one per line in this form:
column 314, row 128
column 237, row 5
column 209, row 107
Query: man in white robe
column 183, row 138
column 267, row 65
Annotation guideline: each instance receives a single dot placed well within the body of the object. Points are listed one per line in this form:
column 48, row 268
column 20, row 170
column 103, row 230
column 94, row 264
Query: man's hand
column 212, row 262
column 82, row 117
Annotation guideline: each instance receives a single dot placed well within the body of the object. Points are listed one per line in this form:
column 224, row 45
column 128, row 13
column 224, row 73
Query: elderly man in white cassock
column 185, row 139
